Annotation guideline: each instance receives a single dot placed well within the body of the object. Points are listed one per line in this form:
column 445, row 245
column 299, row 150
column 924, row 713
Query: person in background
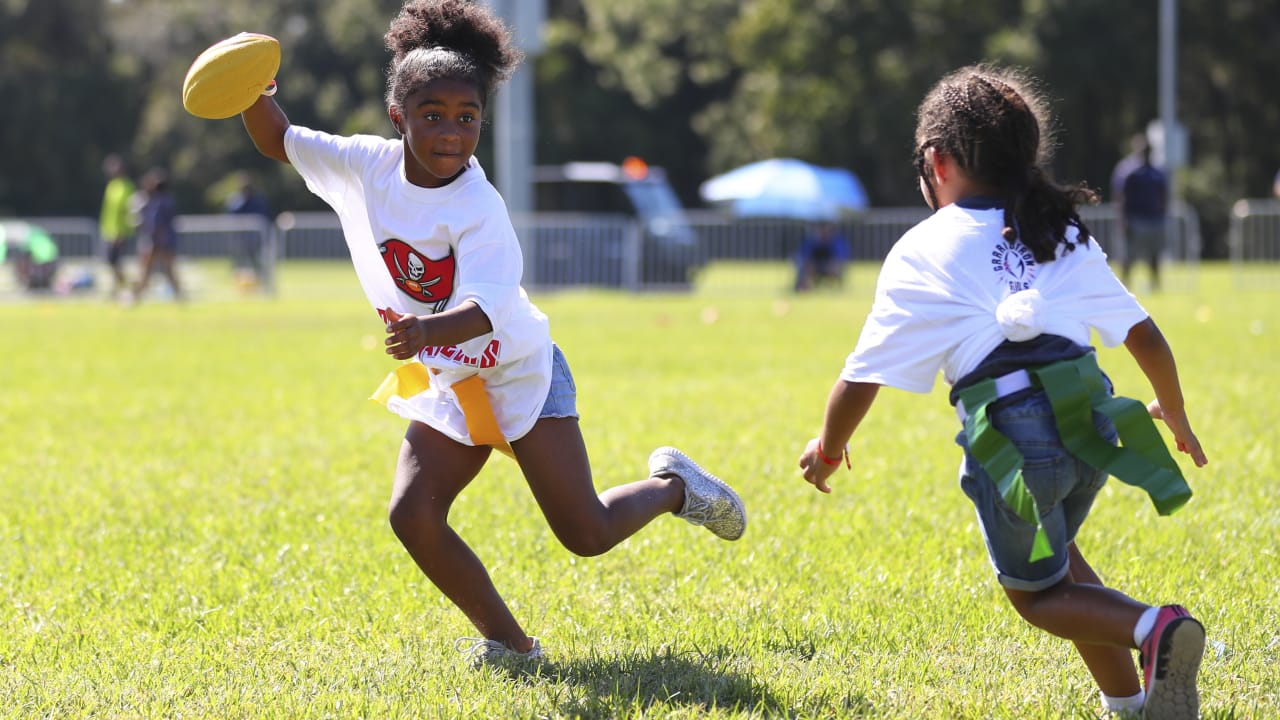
column 157, row 232
column 34, row 253
column 116, row 222
column 823, row 252
column 1141, row 191
column 249, row 200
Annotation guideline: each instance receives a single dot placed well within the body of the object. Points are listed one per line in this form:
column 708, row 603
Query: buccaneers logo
column 421, row 278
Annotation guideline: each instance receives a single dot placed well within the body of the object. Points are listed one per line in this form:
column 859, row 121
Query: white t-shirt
column 952, row 289
column 424, row 250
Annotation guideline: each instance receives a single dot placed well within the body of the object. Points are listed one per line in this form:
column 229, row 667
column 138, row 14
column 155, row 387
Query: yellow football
column 228, row 77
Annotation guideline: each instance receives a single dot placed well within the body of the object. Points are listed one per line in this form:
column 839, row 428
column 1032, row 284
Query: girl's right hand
column 815, row 471
column 1182, row 434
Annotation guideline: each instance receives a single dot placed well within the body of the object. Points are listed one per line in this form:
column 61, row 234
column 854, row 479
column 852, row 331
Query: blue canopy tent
column 787, row 188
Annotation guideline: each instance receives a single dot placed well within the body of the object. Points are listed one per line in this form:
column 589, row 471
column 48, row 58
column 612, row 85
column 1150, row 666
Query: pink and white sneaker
column 1170, row 659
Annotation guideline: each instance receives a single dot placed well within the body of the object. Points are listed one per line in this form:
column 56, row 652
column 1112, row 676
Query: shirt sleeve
column 329, row 163
column 490, row 264
column 1111, row 309
column 901, row 345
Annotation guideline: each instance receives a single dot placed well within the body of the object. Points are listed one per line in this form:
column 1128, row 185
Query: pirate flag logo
column 421, row 278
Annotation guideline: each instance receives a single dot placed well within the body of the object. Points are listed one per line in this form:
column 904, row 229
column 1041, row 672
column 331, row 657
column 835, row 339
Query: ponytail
column 1041, row 214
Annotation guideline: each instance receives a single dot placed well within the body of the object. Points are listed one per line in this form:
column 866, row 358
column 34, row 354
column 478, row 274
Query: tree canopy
column 698, row 86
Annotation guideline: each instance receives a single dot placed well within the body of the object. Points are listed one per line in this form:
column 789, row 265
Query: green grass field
column 193, row 521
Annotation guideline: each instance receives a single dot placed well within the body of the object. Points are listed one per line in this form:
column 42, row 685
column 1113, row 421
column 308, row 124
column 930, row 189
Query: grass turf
column 193, row 498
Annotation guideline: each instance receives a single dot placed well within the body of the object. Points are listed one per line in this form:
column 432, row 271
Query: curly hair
column 457, row 39
column 996, row 126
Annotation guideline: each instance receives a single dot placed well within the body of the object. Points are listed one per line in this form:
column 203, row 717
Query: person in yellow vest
column 117, row 221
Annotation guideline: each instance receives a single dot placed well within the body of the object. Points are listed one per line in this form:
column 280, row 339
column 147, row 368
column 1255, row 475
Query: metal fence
column 574, row 250
column 1254, row 243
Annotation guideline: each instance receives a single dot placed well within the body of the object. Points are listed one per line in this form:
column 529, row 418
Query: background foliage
column 698, row 86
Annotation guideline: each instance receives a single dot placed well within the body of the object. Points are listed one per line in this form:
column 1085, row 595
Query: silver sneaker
column 482, row 651
column 707, row 500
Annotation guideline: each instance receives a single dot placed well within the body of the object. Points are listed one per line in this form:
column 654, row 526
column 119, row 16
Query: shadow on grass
column 622, row 685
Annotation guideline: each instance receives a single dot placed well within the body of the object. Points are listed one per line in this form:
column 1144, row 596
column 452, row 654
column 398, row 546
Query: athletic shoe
column 481, row 651
column 1170, row 659
column 707, row 500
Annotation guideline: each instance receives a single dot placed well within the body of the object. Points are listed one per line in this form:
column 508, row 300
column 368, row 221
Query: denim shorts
column 1064, row 488
column 562, row 397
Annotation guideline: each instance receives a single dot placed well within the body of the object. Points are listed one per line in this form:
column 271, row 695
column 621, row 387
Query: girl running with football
column 437, row 256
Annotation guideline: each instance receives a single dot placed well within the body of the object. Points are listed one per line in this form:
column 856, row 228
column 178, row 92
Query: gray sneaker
column 481, row 651
column 707, row 500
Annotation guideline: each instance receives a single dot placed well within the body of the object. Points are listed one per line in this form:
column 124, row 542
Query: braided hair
column 455, row 39
column 995, row 125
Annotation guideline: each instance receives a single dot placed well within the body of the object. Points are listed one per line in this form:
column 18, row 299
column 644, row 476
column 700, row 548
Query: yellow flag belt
column 412, row 378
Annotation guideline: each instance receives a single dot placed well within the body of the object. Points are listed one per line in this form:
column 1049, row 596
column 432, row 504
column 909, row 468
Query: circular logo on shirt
column 1015, row 265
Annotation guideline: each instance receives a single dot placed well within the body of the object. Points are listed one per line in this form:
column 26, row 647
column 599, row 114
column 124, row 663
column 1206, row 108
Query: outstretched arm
column 1151, row 351
column 266, row 124
column 846, row 406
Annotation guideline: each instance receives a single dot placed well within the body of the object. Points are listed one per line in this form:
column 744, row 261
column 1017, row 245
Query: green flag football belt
column 1076, row 389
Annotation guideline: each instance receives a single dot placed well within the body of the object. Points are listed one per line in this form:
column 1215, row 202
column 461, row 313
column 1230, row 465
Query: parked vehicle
column 577, row 239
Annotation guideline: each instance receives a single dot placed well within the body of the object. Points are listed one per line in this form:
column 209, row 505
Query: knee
column 584, row 541
column 1036, row 608
column 1025, row 607
column 414, row 520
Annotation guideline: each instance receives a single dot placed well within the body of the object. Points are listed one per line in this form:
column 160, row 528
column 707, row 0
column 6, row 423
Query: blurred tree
column 837, row 81
column 698, row 86
column 71, row 97
column 1228, row 99
column 624, row 79
column 331, row 78
column 1095, row 119
column 829, row 81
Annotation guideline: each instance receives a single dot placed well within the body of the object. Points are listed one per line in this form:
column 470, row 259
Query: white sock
column 1131, row 704
column 1144, row 626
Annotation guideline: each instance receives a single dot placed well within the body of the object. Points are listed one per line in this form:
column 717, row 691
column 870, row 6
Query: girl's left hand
column 406, row 335
column 1184, row 438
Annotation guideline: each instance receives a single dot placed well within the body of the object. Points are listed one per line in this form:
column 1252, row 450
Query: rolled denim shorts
column 562, row 397
column 1064, row 488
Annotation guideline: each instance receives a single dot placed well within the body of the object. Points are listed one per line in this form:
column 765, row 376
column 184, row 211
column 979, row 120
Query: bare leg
column 114, row 262
column 148, row 260
column 419, row 513
column 168, row 263
column 1097, row 619
column 554, row 461
column 553, row 458
column 1111, row 666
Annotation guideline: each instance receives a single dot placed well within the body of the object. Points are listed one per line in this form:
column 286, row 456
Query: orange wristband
column 836, row 460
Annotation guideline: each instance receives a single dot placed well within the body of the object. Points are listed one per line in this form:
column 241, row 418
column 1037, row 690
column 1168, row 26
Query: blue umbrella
column 787, row 188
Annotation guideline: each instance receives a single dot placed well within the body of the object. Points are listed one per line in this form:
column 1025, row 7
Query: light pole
column 1173, row 140
column 514, row 106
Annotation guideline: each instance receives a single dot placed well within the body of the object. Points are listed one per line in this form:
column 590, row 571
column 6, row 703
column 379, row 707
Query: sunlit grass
column 193, row 499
